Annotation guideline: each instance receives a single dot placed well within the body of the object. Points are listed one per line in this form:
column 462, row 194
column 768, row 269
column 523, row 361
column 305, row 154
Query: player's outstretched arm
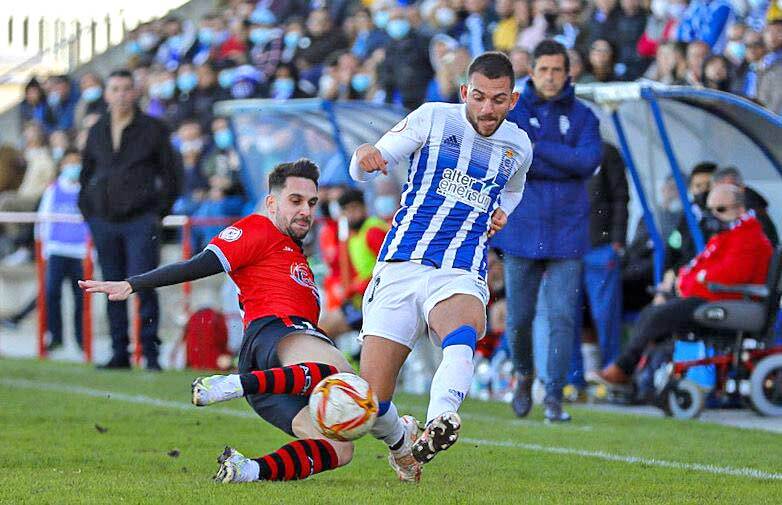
column 117, row 290
column 201, row 265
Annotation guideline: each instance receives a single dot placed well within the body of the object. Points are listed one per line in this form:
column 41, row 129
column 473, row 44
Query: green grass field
column 154, row 447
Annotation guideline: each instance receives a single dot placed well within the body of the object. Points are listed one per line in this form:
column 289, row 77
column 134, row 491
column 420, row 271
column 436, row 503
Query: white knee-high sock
column 451, row 381
column 388, row 427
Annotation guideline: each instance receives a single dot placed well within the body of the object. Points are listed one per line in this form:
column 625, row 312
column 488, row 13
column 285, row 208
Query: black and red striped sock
column 298, row 460
column 299, row 379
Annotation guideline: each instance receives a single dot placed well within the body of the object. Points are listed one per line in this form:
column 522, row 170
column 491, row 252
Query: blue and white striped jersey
column 457, row 178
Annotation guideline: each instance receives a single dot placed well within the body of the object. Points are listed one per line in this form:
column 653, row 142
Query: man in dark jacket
column 406, row 70
column 130, row 178
column 548, row 233
column 608, row 198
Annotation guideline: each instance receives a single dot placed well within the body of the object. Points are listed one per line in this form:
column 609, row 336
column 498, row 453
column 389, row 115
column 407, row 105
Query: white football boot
column 440, row 434
column 234, row 467
column 402, row 460
column 216, row 388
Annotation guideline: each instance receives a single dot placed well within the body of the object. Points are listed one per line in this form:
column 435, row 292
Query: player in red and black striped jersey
column 283, row 355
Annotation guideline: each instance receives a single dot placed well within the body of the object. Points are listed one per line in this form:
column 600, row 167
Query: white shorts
column 400, row 296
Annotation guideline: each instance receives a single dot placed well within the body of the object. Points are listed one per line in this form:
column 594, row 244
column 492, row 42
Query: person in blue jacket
column 548, row 233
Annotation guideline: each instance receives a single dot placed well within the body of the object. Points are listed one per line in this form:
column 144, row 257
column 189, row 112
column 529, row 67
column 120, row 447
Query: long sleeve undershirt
column 201, row 265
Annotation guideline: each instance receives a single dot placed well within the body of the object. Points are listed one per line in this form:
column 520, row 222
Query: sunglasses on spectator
column 720, row 209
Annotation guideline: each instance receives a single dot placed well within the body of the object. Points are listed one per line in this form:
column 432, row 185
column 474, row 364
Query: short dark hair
column 351, row 195
column 550, row 47
column 494, row 65
column 704, row 167
column 300, row 168
column 123, row 73
column 728, row 173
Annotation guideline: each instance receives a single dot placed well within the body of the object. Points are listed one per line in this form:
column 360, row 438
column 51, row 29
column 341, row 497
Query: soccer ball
column 343, row 406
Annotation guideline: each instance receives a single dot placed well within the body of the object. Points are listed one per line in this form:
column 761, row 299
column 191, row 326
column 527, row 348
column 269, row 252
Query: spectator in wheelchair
column 739, row 254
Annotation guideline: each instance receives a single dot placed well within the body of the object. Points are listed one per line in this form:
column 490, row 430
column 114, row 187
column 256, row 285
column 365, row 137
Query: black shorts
column 259, row 352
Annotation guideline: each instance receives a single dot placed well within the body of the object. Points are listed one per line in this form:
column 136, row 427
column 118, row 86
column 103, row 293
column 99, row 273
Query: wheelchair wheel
column 685, row 400
column 766, row 386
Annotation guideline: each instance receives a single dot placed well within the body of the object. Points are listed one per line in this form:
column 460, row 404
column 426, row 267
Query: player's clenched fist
column 370, row 159
column 498, row 220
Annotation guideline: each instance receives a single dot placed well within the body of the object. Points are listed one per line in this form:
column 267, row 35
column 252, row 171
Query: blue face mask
column 283, row 88
column 398, row 28
column 380, row 18
column 259, row 36
column 187, row 82
column 91, row 94
column 226, row 78
column 386, row 205
column 53, row 98
column 736, row 49
column 292, row 39
column 206, row 36
column 175, row 42
column 224, row 139
column 360, row 82
column 166, row 89
column 57, row 153
column 71, row 172
column 133, row 48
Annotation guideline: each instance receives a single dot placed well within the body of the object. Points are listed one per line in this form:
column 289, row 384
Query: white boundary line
column 633, row 460
column 750, row 473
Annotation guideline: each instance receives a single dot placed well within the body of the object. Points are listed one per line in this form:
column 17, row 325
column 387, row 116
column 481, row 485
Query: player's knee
column 344, row 452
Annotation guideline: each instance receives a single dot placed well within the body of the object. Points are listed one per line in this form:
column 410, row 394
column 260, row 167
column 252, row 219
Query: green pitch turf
column 70, row 434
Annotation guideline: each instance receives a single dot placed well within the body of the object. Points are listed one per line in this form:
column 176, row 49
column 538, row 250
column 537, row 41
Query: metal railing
column 57, row 42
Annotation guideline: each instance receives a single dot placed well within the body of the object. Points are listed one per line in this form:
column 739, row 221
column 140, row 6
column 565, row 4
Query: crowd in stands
column 384, row 51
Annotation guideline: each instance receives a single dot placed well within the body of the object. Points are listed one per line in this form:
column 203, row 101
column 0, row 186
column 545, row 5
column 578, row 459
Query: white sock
column 451, row 381
column 235, row 381
column 251, row 471
column 388, row 427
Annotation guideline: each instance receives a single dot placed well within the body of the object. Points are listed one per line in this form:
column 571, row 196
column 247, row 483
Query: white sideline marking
column 568, row 451
column 633, row 460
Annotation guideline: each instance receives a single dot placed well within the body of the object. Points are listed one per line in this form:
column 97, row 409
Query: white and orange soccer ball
column 343, row 406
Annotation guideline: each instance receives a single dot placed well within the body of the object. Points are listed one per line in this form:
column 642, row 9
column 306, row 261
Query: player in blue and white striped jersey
column 467, row 171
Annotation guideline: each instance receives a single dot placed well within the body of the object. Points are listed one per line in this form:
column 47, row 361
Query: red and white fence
column 186, row 223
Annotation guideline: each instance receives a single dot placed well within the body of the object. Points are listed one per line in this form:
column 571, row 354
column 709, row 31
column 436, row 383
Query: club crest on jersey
column 564, row 125
column 302, row 275
column 508, row 164
column 459, row 186
column 230, row 234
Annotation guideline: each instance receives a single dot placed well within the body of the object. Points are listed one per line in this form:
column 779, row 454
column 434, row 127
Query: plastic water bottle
column 502, row 377
column 481, row 381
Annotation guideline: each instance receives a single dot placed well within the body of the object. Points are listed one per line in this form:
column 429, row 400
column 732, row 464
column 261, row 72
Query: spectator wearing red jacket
column 740, row 254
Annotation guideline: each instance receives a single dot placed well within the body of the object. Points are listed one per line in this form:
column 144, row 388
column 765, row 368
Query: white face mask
column 659, row 8
column 334, row 209
column 445, row 16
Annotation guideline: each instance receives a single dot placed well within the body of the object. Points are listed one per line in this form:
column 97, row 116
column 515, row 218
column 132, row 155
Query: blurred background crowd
column 383, row 51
